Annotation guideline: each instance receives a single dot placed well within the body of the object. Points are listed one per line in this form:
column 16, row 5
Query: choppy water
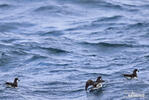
column 54, row 46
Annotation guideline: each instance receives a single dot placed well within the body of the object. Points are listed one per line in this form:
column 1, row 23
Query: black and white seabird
column 14, row 84
column 133, row 75
column 95, row 84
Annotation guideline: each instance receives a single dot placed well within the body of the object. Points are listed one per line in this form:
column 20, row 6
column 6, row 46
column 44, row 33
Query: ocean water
column 55, row 46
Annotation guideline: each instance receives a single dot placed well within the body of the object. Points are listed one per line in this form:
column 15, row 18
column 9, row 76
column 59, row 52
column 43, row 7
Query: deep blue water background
column 54, row 46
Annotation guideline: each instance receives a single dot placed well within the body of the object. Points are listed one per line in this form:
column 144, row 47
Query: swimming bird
column 133, row 75
column 95, row 84
column 14, row 84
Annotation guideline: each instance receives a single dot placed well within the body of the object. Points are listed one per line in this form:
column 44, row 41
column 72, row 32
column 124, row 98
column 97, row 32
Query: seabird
column 14, row 84
column 133, row 75
column 95, row 84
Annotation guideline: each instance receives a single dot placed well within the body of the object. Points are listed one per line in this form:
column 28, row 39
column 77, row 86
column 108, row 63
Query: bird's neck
column 134, row 73
column 15, row 82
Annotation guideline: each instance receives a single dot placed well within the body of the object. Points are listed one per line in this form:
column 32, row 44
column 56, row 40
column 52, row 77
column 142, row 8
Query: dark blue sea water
column 55, row 46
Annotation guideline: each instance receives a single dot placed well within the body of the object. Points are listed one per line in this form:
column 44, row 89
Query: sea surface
column 55, row 46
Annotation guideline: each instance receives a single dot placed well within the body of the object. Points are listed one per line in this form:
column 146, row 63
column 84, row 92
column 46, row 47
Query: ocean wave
column 106, row 44
column 53, row 33
column 57, row 83
column 9, row 26
column 108, row 5
column 47, row 8
column 4, row 6
column 5, row 59
column 112, row 18
column 35, row 57
column 138, row 25
column 99, row 3
column 54, row 50
column 57, row 10
column 65, row 70
column 53, row 64
column 72, row 91
column 19, row 52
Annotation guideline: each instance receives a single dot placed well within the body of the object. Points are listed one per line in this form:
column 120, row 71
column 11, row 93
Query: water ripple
column 54, row 47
